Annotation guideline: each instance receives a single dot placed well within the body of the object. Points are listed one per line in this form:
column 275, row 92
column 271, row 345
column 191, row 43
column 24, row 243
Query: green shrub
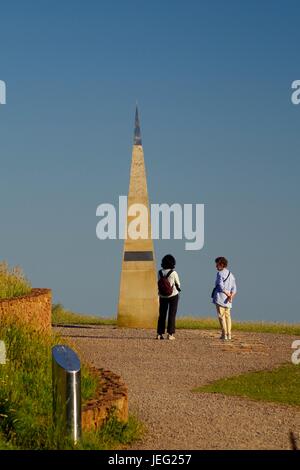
column 13, row 283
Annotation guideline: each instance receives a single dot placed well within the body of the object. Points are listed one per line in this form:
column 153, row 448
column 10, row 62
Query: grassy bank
column 65, row 317
column 13, row 283
column 280, row 385
column 26, row 398
column 255, row 327
column 61, row 316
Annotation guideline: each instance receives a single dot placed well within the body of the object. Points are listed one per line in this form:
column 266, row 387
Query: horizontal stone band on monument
column 138, row 256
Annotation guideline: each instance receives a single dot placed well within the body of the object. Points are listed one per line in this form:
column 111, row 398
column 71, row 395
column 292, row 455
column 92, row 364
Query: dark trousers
column 165, row 304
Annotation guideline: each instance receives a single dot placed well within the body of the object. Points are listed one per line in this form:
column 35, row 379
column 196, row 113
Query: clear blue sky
column 212, row 79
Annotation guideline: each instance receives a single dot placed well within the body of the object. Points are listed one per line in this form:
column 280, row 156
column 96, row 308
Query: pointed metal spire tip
column 137, row 128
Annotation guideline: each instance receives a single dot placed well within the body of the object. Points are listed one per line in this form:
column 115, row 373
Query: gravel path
column 161, row 374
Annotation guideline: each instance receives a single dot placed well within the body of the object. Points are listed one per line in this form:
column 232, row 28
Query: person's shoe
column 223, row 337
column 160, row 337
column 171, row 337
column 228, row 337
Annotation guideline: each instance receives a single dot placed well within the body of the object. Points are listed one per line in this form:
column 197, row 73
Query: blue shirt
column 223, row 282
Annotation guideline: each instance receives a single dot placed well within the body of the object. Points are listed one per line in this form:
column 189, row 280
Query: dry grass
column 13, row 282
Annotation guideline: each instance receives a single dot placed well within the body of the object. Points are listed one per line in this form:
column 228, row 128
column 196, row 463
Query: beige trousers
column 224, row 319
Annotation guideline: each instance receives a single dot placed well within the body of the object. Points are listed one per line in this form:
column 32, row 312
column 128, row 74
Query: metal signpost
column 66, row 378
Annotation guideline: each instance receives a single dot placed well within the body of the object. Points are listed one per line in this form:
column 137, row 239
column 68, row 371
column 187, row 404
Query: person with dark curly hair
column 168, row 289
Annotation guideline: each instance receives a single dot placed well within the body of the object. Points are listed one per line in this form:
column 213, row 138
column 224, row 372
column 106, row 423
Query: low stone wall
column 33, row 309
column 111, row 397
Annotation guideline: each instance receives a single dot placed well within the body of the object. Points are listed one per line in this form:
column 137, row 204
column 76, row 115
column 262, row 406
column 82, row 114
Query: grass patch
column 89, row 383
column 13, row 283
column 280, row 385
column 26, row 398
column 255, row 327
column 65, row 317
column 113, row 435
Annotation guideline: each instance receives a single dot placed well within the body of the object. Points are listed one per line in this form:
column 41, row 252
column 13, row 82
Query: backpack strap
column 227, row 277
column 171, row 270
column 177, row 287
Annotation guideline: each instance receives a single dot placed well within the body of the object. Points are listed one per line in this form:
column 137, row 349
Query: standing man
column 222, row 295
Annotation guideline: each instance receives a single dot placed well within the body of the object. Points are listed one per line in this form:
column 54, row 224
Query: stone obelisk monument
column 138, row 300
